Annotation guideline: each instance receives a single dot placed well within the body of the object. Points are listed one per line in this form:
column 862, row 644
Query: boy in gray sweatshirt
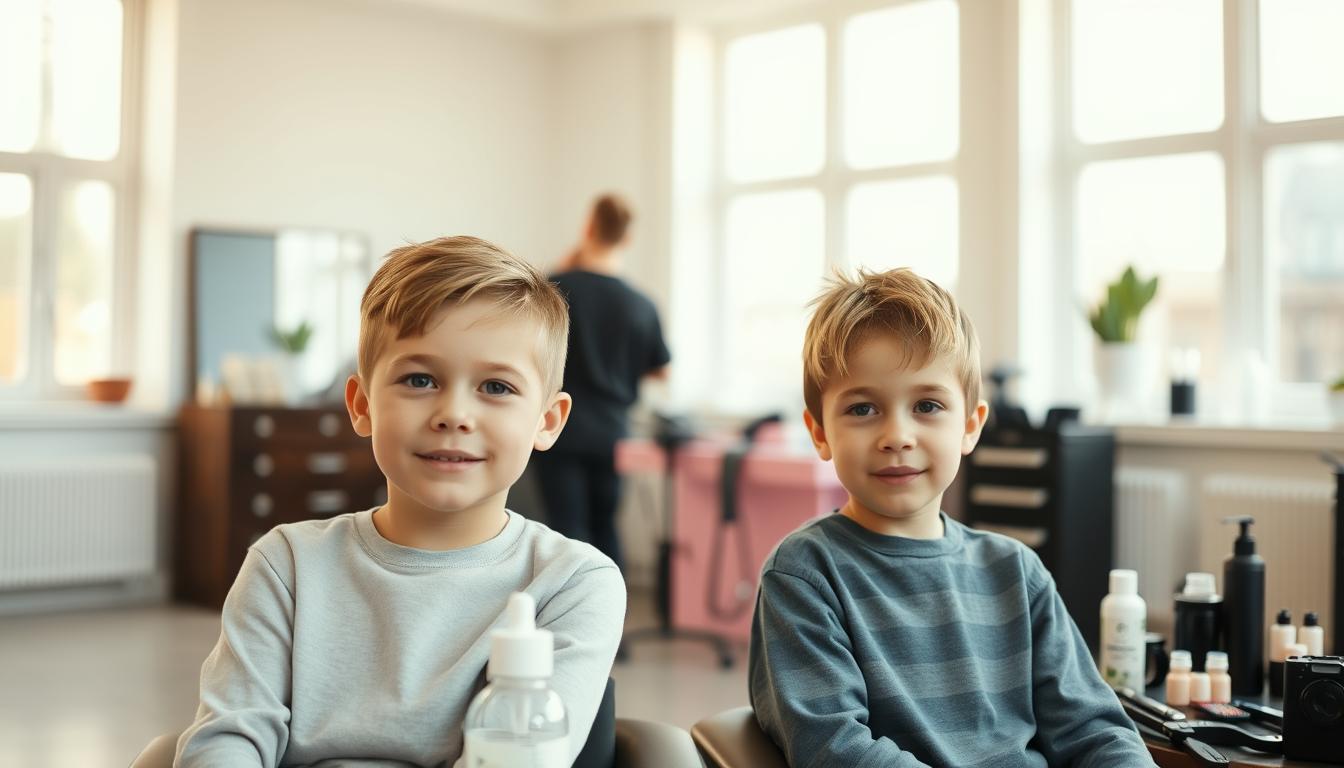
column 888, row 634
column 360, row 639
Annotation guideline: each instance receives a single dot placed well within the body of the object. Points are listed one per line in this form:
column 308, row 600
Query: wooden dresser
column 245, row 470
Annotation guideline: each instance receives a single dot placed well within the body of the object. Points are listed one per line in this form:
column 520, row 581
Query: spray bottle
column 517, row 720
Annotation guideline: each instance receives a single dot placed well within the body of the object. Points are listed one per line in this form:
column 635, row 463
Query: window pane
column 1304, row 237
column 1299, row 47
column 84, row 242
column 775, row 104
column 86, row 77
column 910, row 223
column 20, row 73
column 775, row 254
column 901, row 85
column 1166, row 217
column 1146, row 68
column 16, row 225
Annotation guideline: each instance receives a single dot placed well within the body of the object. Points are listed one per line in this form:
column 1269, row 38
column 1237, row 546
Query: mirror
column 248, row 285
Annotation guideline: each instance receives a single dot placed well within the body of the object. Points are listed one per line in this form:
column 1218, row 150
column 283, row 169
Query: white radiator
column 80, row 521
column 1294, row 532
column 1155, row 533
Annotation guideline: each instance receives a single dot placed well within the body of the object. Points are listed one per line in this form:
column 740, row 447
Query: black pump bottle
column 1244, row 602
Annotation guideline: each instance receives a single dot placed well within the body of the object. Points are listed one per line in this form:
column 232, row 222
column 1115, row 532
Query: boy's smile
column 454, row 415
column 896, row 434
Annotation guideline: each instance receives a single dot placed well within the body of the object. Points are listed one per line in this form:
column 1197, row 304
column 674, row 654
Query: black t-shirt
column 615, row 339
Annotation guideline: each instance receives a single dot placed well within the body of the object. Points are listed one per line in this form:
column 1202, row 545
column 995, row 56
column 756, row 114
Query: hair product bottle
column 1220, row 682
column 1198, row 624
column 1124, row 618
column 1312, row 634
column 1244, row 606
column 1178, row 679
column 517, row 719
column 1282, row 634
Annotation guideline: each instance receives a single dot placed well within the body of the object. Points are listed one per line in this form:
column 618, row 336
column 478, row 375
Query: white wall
column 400, row 122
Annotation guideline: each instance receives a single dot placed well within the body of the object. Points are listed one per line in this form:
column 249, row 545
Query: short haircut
column 611, row 219
column 924, row 319
column 417, row 280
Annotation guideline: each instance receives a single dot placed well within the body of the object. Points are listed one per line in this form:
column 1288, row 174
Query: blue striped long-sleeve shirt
column 872, row 650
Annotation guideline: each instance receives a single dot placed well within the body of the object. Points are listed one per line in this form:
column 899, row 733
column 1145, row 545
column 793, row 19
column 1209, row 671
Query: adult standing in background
column 615, row 341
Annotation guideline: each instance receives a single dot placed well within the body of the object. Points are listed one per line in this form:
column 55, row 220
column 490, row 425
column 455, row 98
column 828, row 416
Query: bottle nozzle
column 520, row 613
column 1245, row 544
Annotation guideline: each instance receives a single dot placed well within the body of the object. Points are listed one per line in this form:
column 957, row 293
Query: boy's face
column 896, row 436
column 455, row 413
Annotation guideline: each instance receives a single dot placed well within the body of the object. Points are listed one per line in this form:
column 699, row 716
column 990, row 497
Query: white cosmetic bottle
column 517, row 720
column 1124, row 617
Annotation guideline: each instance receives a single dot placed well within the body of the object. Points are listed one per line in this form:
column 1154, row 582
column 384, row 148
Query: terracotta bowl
column 108, row 390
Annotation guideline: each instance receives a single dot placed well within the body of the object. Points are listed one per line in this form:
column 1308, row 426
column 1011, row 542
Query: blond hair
column 417, row 280
column 923, row 317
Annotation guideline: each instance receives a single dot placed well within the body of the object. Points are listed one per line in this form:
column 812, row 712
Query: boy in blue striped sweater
column 888, row 634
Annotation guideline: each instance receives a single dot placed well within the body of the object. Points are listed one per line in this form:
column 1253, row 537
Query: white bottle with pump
column 517, row 720
column 1124, row 618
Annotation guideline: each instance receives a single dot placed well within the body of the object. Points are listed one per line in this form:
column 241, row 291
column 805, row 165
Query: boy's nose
column 452, row 414
column 898, row 436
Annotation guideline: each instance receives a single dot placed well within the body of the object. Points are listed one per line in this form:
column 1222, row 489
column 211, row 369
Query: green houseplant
column 295, row 341
column 1116, row 318
column 1122, row 363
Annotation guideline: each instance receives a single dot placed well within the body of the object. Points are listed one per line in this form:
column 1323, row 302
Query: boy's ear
column 357, row 403
column 975, row 422
column 552, row 421
column 818, row 434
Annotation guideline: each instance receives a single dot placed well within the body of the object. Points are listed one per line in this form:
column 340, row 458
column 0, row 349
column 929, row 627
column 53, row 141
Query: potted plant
column 292, row 343
column 1337, row 400
column 1121, row 363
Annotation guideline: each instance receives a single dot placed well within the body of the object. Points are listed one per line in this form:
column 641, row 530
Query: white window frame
column 1250, row 289
column 49, row 174
column 986, row 225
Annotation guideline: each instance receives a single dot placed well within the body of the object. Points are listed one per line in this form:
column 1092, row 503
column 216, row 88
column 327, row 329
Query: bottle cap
column 1284, row 617
column 1199, row 585
column 1294, row 649
column 1181, row 660
column 1124, row 582
column 1215, row 660
column 517, row 647
column 1311, row 619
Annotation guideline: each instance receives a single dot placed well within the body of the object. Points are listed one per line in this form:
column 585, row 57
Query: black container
column 1198, row 626
column 1244, row 613
column 1182, row 398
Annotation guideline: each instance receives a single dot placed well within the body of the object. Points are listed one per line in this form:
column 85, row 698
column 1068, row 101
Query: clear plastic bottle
column 1178, row 679
column 1124, row 618
column 1220, row 683
column 517, row 721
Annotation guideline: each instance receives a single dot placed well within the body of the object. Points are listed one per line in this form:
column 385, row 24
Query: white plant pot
column 1336, row 397
column 1122, row 380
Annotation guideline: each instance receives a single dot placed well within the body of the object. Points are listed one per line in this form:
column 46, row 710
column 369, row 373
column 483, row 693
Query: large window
column 64, row 193
column 840, row 141
column 1218, row 166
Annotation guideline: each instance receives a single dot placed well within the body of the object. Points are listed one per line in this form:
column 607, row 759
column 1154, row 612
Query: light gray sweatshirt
column 339, row 647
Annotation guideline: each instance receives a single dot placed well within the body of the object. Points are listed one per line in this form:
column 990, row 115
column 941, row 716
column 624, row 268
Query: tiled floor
column 90, row 689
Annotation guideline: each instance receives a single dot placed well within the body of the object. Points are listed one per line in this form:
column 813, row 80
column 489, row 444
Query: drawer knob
column 263, row 426
column 327, row 502
column 326, row 463
column 262, row 505
column 263, row 465
column 329, row 425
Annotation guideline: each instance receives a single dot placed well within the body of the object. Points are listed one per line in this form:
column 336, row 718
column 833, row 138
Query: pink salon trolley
column 779, row 489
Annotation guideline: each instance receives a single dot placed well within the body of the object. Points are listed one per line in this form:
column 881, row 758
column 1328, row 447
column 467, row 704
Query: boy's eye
column 861, row 409
column 496, row 387
column 418, row 380
column 927, row 407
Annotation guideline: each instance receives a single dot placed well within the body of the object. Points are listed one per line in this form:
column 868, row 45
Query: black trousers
column 581, row 493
